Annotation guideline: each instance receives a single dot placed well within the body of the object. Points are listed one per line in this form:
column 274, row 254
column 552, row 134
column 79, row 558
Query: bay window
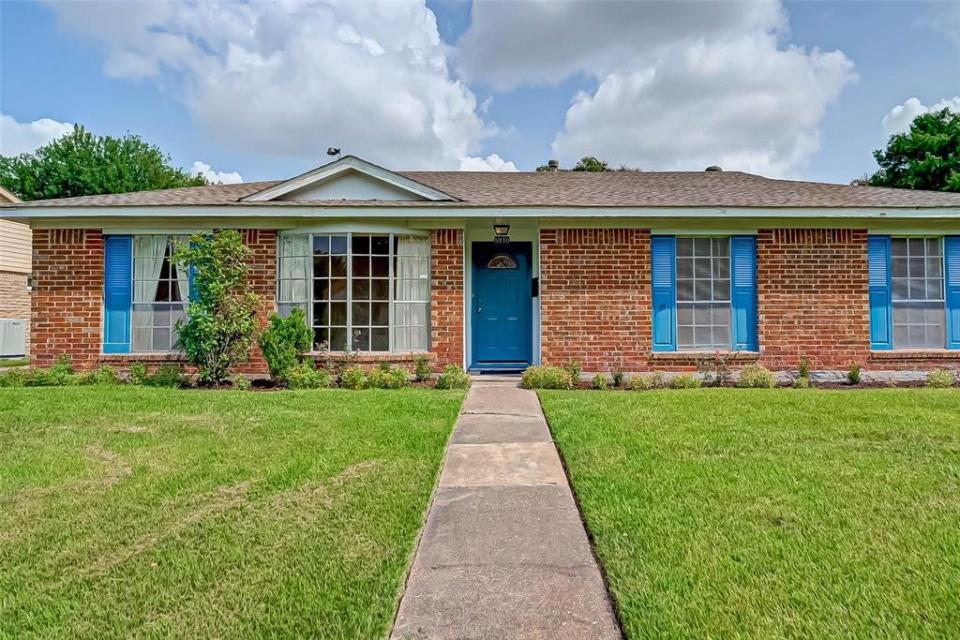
column 361, row 292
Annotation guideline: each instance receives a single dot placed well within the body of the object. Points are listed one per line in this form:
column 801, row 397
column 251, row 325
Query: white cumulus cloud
column 680, row 85
column 212, row 176
column 898, row 119
column 293, row 77
column 492, row 162
column 25, row 137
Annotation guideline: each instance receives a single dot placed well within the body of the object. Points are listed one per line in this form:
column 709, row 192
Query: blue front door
column 502, row 300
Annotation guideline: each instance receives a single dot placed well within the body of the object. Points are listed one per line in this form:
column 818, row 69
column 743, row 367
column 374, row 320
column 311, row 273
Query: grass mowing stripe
column 130, row 511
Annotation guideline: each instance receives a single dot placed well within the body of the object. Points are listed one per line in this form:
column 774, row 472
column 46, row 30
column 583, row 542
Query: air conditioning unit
column 13, row 338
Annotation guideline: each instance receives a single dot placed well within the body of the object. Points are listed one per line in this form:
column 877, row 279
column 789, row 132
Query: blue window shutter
column 117, row 293
column 743, row 292
column 951, row 253
column 878, row 279
column 664, row 285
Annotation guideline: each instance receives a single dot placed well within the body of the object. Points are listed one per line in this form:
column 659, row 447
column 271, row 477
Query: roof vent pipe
column 714, row 167
column 554, row 165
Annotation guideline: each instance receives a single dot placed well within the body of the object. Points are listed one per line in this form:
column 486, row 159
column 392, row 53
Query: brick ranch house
column 495, row 271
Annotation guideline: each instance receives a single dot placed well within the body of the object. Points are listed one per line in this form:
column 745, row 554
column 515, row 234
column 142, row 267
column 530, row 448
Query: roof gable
column 348, row 178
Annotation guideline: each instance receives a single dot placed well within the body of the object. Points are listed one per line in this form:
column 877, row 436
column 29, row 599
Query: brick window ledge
column 700, row 355
column 363, row 358
column 146, row 358
column 915, row 354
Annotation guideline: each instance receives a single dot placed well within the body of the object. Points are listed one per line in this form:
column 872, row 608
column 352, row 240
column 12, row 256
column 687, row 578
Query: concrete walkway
column 503, row 553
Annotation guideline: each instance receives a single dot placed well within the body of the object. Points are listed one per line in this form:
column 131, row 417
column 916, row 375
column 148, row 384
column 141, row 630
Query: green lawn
column 151, row 512
column 771, row 513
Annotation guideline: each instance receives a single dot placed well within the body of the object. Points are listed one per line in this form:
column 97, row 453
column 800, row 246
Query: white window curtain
column 183, row 281
column 411, row 326
column 148, row 254
column 294, row 277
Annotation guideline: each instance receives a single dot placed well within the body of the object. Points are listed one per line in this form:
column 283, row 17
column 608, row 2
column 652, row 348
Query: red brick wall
column 812, row 297
column 595, row 301
column 446, row 297
column 262, row 276
column 66, row 300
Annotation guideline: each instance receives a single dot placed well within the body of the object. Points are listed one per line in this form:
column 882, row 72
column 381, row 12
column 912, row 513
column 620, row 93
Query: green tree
column 590, row 163
column 83, row 164
column 925, row 157
column 284, row 340
column 221, row 317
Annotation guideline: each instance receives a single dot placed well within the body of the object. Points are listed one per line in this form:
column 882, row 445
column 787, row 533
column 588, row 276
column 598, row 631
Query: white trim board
column 338, row 167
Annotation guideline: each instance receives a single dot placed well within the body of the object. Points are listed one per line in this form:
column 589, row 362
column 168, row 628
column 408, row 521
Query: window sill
column 698, row 356
column 379, row 356
column 153, row 356
column 915, row 354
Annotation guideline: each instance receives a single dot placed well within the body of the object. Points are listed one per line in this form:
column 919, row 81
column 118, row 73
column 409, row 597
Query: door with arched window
column 502, row 301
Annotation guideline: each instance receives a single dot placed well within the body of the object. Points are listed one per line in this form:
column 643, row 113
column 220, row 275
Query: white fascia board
column 336, row 167
column 399, row 211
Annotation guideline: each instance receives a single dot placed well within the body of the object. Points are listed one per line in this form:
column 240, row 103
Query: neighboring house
column 621, row 270
column 14, row 287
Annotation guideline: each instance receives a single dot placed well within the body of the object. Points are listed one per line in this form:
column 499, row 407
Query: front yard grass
column 132, row 512
column 771, row 513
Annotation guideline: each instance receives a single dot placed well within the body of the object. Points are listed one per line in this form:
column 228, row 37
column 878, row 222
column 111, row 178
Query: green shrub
column 685, row 381
column 802, row 382
column 14, row 378
column 241, row 383
column 421, row 368
column 600, row 381
column 653, row 380
column 574, row 369
column 453, row 377
column 168, row 376
column 619, row 378
column 941, row 379
column 387, row 377
column 803, row 369
column 854, row 374
column 105, row 375
column 221, row 315
column 305, row 375
column 284, row 340
column 755, row 376
column 547, row 377
column 353, row 378
column 139, row 373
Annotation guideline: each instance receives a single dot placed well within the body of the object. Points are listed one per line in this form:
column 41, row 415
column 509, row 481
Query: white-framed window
column 161, row 290
column 703, row 293
column 365, row 292
column 919, row 313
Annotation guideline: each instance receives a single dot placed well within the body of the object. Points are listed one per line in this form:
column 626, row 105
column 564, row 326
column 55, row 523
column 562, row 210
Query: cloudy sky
column 259, row 90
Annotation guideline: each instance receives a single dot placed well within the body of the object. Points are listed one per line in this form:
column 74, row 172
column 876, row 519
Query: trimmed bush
column 547, row 377
column 241, row 383
column 802, row 382
column 755, row 376
column 685, row 381
column 105, row 375
column 421, row 368
column 169, row 376
column 284, row 340
column 653, row 380
column 600, row 382
column 304, row 375
column 139, row 373
column 387, row 377
column 574, row 369
column 453, row 377
column 941, row 379
column 353, row 378
column 15, row 378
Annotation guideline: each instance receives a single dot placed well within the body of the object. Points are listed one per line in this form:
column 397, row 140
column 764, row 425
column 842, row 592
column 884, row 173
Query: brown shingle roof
column 713, row 189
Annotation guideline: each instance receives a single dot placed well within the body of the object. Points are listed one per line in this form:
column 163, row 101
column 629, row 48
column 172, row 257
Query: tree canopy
column 83, row 164
column 925, row 157
column 586, row 163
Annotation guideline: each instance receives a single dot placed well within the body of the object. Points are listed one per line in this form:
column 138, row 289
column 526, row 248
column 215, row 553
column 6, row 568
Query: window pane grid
column 366, row 292
column 919, row 318
column 703, row 293
column 160, row 294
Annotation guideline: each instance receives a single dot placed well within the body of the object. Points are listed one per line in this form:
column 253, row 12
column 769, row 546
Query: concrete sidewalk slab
column 504, row 553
